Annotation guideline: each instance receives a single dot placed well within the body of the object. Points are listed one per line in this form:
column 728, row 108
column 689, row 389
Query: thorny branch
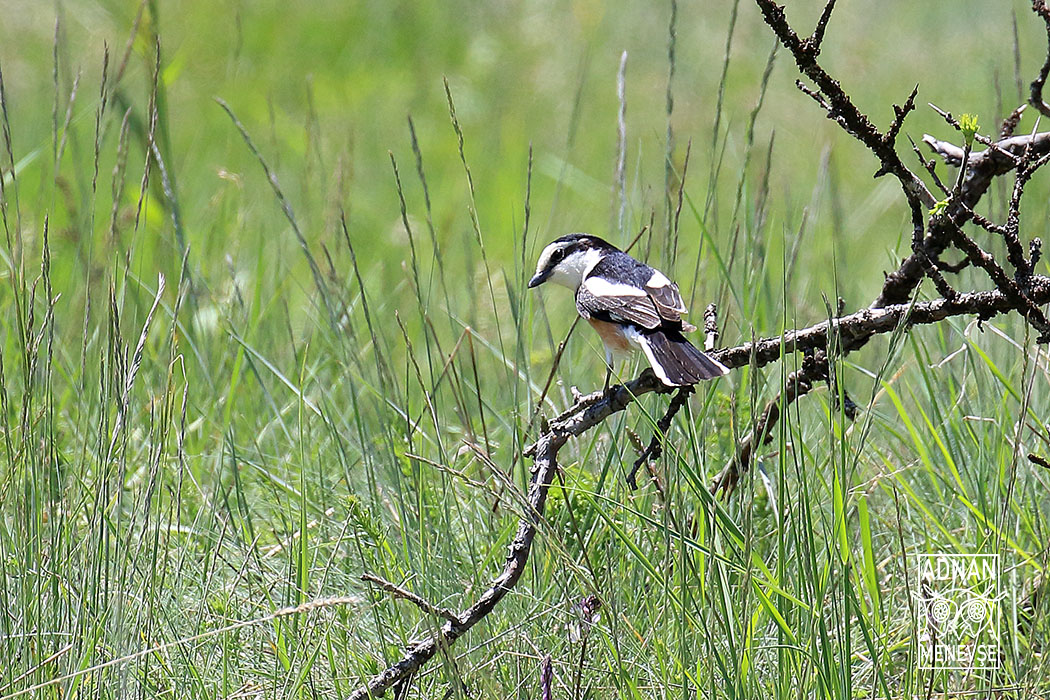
column 934, row 232
column 894, row 308
column 1036, row 98
column 840, row 107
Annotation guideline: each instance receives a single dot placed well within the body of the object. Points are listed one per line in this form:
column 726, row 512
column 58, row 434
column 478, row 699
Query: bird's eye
column 557, row 255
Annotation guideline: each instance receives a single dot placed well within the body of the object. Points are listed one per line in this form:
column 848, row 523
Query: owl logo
column 958, row 613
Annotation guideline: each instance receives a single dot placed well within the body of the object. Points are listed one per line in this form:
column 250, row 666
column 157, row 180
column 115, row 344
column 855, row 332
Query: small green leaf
column 939, row 208
column 969, row 126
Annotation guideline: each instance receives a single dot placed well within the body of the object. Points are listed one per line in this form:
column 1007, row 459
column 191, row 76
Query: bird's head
column 567, row 259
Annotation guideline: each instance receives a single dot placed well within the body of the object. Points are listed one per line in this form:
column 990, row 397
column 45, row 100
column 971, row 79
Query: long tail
column 676, row 361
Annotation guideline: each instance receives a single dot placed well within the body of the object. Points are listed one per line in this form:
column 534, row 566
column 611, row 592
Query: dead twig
column 588, row 412
column 399, row 592
column 655, row 448
column 798, row 383
column 710, row 327
column 1035, row 98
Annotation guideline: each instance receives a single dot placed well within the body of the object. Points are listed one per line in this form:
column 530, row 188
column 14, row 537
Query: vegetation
column 262, row 334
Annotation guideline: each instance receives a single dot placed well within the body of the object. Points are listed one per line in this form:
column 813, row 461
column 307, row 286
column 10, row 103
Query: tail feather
column 676, row 361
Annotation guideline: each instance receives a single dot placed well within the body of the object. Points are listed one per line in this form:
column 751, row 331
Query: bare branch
column 867, row 322
column 839, row 106
column 798, row 384
column 928, row 165
column 953, row 268
column 985, row 223
column 655, row 448
column 982, row 167
column 588, row 412
column 1011, row 232
column 943, row 288
column 853, row 331
column 1019, row 300
column 1036, row 97
column 814, row 41
column 830, row 95
column 710, row 327
column 976, row 174
column 1006, row 129
column 421, row 603
column 985, row 166
column 901, row 112
column 814, row 94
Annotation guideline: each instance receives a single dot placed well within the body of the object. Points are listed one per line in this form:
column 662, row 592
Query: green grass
column 344, row 363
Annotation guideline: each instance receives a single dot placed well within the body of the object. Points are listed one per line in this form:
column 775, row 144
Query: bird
column 632, row 307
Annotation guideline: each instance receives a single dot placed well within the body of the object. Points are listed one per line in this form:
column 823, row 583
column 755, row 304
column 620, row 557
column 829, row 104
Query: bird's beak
column 539, row 278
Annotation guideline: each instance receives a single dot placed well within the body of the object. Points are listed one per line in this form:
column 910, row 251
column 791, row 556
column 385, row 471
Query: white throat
column 571, row 271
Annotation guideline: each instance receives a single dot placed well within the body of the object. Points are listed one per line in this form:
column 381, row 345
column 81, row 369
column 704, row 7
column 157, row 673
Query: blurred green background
column 304, row 418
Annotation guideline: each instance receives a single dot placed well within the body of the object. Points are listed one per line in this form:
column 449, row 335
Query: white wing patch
column 601, row 287
column 658, row 280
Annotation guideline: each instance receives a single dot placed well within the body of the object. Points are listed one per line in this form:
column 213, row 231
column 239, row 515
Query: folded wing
column 667, row 298
column 648, row 304
column 623, row 303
